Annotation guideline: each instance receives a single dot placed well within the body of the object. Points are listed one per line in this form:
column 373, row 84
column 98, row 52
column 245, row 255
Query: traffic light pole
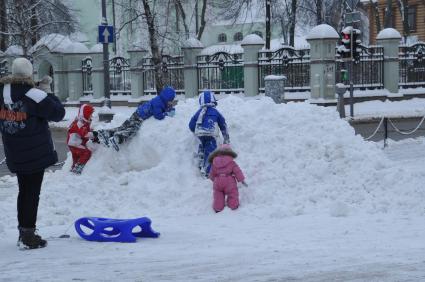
column 351, row 76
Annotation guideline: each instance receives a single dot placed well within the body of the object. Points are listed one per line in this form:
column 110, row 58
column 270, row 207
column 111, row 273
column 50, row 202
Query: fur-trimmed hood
column 222, row 152
column 13, row 79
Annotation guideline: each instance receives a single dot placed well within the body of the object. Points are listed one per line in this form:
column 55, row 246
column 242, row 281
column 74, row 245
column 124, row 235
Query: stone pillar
column 75, row 76
column 322, row 40
column 191, row 49
column 136, row 69
column 389, row 38
column 251, row 44
column 275, row 87
column 97, row 76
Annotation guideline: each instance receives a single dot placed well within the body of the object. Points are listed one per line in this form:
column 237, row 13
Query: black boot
column 29, row 239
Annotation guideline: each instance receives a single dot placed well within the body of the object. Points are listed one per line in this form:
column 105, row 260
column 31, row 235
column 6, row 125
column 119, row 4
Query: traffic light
column 344, row 50
column 357, row 48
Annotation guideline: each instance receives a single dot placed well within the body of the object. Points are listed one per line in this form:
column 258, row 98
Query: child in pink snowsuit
column 224, row 173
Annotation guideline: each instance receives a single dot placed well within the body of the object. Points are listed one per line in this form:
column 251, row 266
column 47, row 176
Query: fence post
column 136, row 71
column 97, row 76
column 322, row 40
column 251, row 45
column 389, row 38
column 191, row 49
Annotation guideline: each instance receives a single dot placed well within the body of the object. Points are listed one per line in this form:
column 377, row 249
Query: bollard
column 340, row 90
column 275, row 87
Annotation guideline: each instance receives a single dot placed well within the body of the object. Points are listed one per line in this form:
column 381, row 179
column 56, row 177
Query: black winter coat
column 24, row 115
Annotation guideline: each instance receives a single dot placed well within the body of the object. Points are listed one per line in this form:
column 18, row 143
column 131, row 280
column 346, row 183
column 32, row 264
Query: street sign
column 106, row 34
column 353, row 17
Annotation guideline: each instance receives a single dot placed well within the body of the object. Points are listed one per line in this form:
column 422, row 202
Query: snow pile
column 14, row 50
column 298, row 159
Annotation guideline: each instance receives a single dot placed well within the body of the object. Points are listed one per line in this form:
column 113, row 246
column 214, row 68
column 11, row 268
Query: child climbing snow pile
column 159, row 107
column 205, row 124
column 225, row 173
column 79, row 133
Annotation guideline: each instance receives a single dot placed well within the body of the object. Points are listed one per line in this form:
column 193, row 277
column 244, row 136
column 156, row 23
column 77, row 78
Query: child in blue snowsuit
column 158, row 107
column 206, row 124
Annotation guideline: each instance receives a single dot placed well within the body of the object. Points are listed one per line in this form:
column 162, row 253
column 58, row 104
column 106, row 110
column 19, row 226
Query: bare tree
column 26, row 21
column 388, row 17
column 3, row 24
column 403, row 7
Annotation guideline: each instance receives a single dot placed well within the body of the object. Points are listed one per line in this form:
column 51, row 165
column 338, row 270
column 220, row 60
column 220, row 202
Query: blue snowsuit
column 206, row 124
column 156, row 107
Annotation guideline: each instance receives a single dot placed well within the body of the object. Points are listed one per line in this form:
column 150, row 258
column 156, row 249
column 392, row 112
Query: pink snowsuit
column 224, row 173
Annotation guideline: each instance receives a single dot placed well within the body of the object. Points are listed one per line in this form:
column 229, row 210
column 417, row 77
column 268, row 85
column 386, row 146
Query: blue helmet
column 168, row 94
column 207, row 98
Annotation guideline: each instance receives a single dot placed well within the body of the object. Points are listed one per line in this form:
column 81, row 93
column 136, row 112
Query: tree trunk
column 34, row 24
column 388, row 17
column 268, row 25
column 404, row 12
column 179, row 8
column 203, row 21
column 293, row 23
column 3, row 24
column 319, row 12
column 153, row 40
column 376, row 13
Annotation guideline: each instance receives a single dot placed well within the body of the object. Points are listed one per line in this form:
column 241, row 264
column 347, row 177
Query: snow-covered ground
column 322, row 205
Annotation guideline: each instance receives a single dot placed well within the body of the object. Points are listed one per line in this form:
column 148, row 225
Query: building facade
column 415, row 15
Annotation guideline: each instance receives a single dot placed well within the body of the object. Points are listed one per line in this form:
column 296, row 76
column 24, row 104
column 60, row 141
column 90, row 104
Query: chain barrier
column 376, row 130
column 407, row 132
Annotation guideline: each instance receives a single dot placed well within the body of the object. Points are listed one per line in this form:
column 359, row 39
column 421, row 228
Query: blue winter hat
column 168, row 94
column 207, row 98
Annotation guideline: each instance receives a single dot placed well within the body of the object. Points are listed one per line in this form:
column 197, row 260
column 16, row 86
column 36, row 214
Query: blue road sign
column 106, row 34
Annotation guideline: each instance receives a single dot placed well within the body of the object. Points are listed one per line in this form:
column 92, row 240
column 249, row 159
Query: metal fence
column 221, row 72
column 4, row 71
column 86, row 69
column 368, row 70
column 172, row 71
column 287, row 61
column 412, row 65
column 120, row 79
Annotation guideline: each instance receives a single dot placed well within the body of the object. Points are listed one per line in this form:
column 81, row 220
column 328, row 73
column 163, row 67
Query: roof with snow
column 192, row 43
column 322, row 31
column 97, row 48
column 14, row 50
column 252, row 39
column 228, row 48
column 388, row 33
column 59, row 43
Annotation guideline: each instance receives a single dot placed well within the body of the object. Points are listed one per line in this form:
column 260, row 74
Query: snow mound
column 298, row 159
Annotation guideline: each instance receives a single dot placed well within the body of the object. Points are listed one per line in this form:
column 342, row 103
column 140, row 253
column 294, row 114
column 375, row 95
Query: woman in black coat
column 28, row 146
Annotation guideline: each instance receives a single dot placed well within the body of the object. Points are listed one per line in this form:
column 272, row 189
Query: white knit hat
column 22, row 67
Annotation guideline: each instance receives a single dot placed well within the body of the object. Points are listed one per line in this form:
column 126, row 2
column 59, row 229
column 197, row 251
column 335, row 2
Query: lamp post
column 107, row 102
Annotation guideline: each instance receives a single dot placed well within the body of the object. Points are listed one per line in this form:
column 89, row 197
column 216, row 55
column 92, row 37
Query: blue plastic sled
column 115, row 230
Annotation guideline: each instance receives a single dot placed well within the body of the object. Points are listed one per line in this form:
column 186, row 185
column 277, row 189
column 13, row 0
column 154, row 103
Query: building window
column 238, row 36
column 222, row 37
column 259, row 33
column 411, row 18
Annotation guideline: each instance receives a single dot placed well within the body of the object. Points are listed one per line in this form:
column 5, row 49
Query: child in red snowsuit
column 224, row 173
column 79, row 133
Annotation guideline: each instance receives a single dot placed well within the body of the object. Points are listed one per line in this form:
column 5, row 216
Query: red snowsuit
column 79, row 133
column 224, row 173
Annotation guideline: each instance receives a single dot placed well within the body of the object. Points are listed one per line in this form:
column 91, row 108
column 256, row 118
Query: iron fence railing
column 221, row 72
column 368, row 71
column 86, row 70
column 412, row 65
column 287, row 61
column 171, row 70
column 120, row 79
